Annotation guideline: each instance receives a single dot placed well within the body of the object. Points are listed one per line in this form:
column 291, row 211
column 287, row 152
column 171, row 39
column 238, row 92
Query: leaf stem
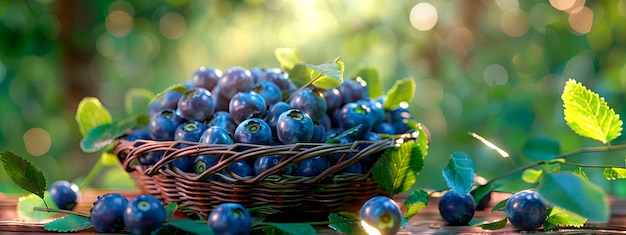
column 309, row 82
column 591, row 166
column 52, row 210
column 93, row 173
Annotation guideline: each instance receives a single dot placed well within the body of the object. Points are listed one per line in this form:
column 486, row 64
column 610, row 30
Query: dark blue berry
column 163, row 124
column 107, row 213
column 245, row 105
column 294, row 126
column 381, row 213
column 196, row 104
column 64, row 194
column 144, row 214
column 311, row 102
column 457, row 209
column 230, row 218
column 253, row 131
column 205, row 77
column 526, row 210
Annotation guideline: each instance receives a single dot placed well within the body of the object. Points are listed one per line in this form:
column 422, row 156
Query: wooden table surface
column 426, row 221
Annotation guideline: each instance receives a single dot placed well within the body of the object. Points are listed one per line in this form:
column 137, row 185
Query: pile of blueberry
column 264, row 107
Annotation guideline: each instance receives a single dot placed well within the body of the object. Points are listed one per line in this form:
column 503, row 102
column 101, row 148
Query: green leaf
column 137, row 101
column 588, row 115
column 327, row 75
column 552, row 167
column 90, row 113
column 374, row 84
column 415, row 203
column 69, row 223
column 422, row 138
column 482, row 190
column 579, row 172
column 288, row 57
column 343, row 134
column 109, row 159
column 459, row 173
column 542, row 148
column 397, row 169
column 26, row 204
column 170, row 209
column 561, row 217
column 24, row 174
column 341, row 224
column 180, row 88
column 568, row 191
column 192, row 226
column 402, row 90
column 293, row 228
column 532, row 176
column 300, row 74
column 614, row 173
column 500, row 206
column 494, row 225
column 98, row 138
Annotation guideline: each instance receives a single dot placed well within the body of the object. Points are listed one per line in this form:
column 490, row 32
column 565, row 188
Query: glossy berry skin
column 225, row 120
column 385, row 128
column 376, row 110
column 526, row 210
column 234, row 80
column 240, row 168
column 204, row 162
column 333, row 100
column 312, row 166
column 294, row 126
column 253, row 131
column 354, row 114
column 196, row 104
column 381, row 213
column 352, row 90
column 457, row 209
column 311, row 102
column 144, row 214
column 245, row 105
column 264, row 163
column 230, row 218
column 169, row 100
column 190, row 131
column 277, row 77
column 273, row 113
column 64, row 194
column 397, row 118
column 163, row 125
column 319, row 132
column 270, row 92
column 205, row 77
column 107, row 213
column 216, row 135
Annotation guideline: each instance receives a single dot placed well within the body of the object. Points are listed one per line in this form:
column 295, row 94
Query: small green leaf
column 561, row 217
column 542, row 148
column 532, row 176
column 69, row 223
column 588, row 115
column 90, row 113
column 137, row 100
column 341, row 224
column 415, row 203
column 494, row 225
column 26, row 205
column 397, row 169
column 552, row 167
column 109, row 159
column 288, row 57
column 24, row 174
column 170, row 209
column 614, row 173
column 327, row 75
column 500, row 206
column 300, row 74
column 98, row 138
column 180, row 88
column 568, row 191
column 343, row 134
column 579, row 172
column 402, row 90
column 482, row 190
column 422, row 138
column 293, row 228
column 374, row 84
column 459, row 173
column 192, row 226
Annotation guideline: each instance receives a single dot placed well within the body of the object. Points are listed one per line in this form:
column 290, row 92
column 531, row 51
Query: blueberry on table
column 253, row 131
column 526, row 210
column 205, row 77
column 311, row 102
column 196, row 104
column 107, row 213
column 64, row 194
column 230, row 218
column 245, row 105
column 144, row 214
column 457, row 209
column 163, row 124
column 294, row 126
column 382, row 214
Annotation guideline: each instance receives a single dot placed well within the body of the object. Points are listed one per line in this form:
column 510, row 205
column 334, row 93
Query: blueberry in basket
column 216, row 135
column 196, row 104
column 225, row 120
column 163, row 124
column 355, row 114
column 190, row 131
column 253, row 131
column 294, row 126
column 205, row 77
column 169, row 100
column 245, row 105
column 273, row 112
column 270, row 92
column 312, row 166
column 352, row 90
column 311, row 102
column 262, row 164
column 234, row 80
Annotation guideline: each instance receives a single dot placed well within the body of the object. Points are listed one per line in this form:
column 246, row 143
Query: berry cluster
column 264, row 107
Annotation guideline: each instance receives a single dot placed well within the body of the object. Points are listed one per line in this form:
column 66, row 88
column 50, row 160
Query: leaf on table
column 26, row 204
column 459, row 173
column 397, row 169
column 137, row 101
column 69, row 223
column 588, row 114
column 561, row 217
column 327, row 75
column 90, row 113
column 500, row 205
column 570, row 192
column 341, row 224
column 23, row 173
column 371, row 77
column 482, row 190
column 402, row 90
column 290, row 228
column 288, row 57
column 415, row 202
column 493, row 225
column 532, row 176
column 101, row 136
column 191, row 226
column 542, row 148
column 614, row 173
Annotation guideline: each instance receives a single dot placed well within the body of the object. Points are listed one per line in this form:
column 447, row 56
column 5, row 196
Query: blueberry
column 319, row 132
column 371, row 159
column 225, row 120
column 312, row 166
column 397, row 118
column 196, row 104
column 385, row 128
column 107, row 213
column 190, row 131
column 326, row 122
column 334, row 157
column 240, row 168
column 352, row 90
column 205, row 77
column 457, row 209
column 277, row 77
column 294, row 126
column 216, row 135
column 376, row 109
column 356, row 168
column 169, row 100
column 138, row 134
column 246, row 105
column 261, row 164
column 382, row 214
column 526, row 210
column 253, row 131
column 163, row 124
column 204, row 162
column 270, row 92
column 354, row 114
column 64, row 194
column 311, row 102
column 144, row 214
column 230, row 218
column 221, row 101
column 151, row 158
column 273, row 113
column 333, row 100
column 234, row 80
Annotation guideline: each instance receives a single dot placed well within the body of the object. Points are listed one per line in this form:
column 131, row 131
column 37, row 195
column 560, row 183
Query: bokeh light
column 514, row 22
column 581, row 21
column 172, row 25
column 119, row 23
column 423, row 16
column 37, row 141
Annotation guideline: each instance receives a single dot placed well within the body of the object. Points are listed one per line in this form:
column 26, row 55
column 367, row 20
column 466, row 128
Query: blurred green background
column 493, row 67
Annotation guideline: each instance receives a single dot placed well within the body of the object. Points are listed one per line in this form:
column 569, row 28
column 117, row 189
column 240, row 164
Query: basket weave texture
column 330, row 191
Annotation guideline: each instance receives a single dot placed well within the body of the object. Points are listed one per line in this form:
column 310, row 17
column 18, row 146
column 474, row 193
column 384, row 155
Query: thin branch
column 52, row 210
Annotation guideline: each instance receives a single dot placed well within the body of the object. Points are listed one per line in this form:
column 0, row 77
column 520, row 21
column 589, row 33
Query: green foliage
column 542, row 148
column 343, row 134
column 588, row 115
column 90, row 113
column 170, row 209
column 99, row 137
column 561, row 217
column 482, row 190
column 570, row 192
column 401, row 91
column 415, row 203
column 459, row 173
column 397, row 169
column 24, row 174
column 26, row 205
column 494, row 225
column 372, row 78
column 580, row 173
column 192, row 226
column 532, row 176
column 614, row 173
column 289, row 228
column 327, row 75
column 342, row 224
column 69, row 223
column 500, row 205
column 137, row 101
column 288, row 57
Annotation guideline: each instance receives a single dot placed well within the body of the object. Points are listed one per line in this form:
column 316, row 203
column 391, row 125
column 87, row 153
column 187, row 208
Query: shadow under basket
column 271, row 192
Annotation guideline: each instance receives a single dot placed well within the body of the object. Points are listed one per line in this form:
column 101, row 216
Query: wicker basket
column 330, row 191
